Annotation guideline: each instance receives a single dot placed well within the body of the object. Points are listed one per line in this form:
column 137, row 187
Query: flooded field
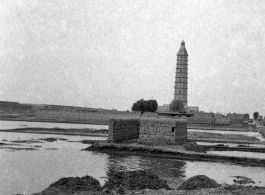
column 251, row 134
column 29, row 171
column 31, row 162
column 239, row 154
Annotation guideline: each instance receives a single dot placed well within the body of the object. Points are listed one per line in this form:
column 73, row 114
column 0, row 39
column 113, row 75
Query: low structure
column 192, row 109
column 149, row 129
column 202, row 118
column 237, row 120
column 222, row 121
column 173, row 114
column 164, row 108
column 163, row 131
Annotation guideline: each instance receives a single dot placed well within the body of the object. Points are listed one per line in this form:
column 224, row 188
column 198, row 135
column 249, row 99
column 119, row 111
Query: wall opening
column 172, row 129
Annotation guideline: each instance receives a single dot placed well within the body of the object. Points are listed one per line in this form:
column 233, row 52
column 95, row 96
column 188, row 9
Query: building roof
column 182, row 51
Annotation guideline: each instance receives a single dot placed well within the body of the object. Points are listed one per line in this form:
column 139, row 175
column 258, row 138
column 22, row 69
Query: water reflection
column 171, row 170
column 175, row 171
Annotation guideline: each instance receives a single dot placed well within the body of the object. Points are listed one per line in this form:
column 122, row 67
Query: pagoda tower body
column 181, row 79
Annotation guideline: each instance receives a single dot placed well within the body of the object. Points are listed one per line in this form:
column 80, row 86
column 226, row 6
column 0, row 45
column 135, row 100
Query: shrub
column 145, row 106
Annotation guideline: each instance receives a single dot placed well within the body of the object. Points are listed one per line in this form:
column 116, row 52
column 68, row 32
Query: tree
column 255, row 115
column 176, row 105
column 145, row 106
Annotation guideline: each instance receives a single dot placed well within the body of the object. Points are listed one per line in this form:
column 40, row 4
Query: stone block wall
column 123, row 129
column 163, row 130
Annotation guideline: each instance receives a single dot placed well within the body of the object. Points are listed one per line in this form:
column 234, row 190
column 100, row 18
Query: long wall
column 65, row 114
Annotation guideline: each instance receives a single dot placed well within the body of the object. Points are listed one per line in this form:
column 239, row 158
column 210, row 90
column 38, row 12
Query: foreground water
column 29, row 171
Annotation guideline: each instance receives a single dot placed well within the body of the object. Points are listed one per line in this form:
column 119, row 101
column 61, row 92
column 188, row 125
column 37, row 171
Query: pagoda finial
column 182, row 42
column 182, row 51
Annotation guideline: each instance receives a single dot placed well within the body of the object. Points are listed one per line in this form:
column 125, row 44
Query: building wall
column 163, row 130
column 236, row 116
column 204, row 115
column 163, row 108
column 202, row 118
column 218, row 116
column 150, row 114
column 236, row 119
column 192, row 109
column 222, row 121
column 123, row 129
column 194, row 120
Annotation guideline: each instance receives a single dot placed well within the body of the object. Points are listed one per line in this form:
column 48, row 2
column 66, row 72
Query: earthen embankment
column 171, row 152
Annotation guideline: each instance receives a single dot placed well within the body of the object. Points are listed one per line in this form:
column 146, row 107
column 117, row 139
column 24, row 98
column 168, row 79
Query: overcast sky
column 108, row 54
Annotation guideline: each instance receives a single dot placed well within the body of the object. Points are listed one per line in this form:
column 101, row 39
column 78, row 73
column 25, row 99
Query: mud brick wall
column 163, row 130
column 123, row 129
column 223, row 121
column 194, row 120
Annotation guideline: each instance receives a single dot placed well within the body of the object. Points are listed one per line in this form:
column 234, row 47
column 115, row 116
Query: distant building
column 237, row 119
column 202, row 118
column 218, row 115
column 222, row 121
column 163, row 108
column 192, row 109
column 236, row 116
column 189, row 109
column 204, row 115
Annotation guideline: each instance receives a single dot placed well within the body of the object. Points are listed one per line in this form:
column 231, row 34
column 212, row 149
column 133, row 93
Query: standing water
column 31, row 162
column 34, row 164
column 248, row 133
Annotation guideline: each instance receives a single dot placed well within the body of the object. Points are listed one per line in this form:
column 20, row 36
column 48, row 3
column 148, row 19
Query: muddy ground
column 189, row 151
column 144, row 182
